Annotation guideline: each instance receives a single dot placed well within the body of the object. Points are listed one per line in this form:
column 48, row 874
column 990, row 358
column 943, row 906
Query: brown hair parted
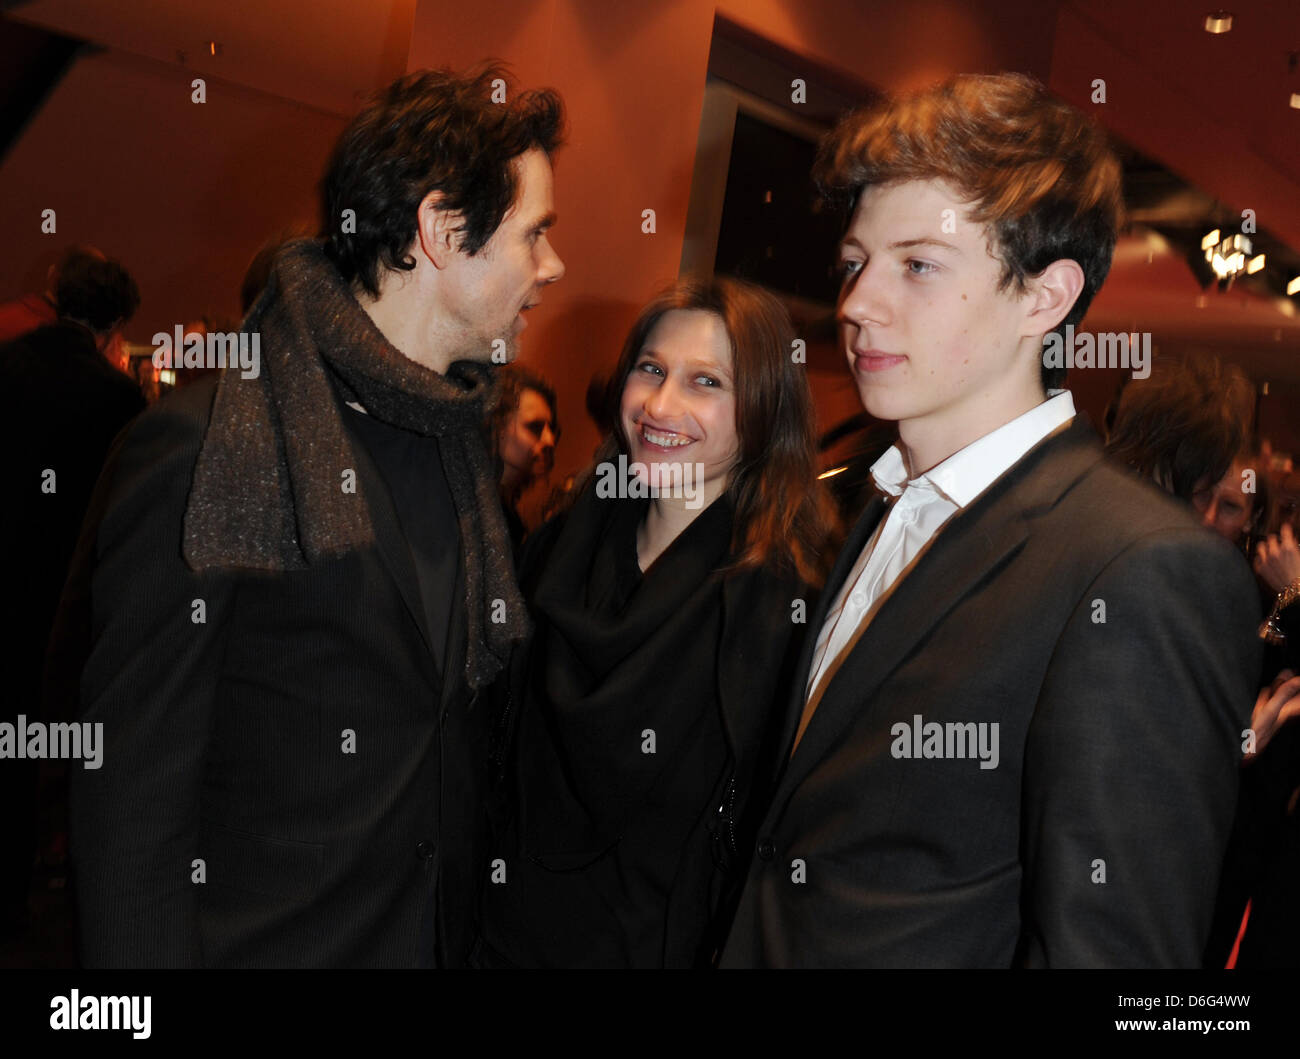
column 512, row 380
column 1184, row 425
column 429, row 131
column 783, row 516
column 1039, row 174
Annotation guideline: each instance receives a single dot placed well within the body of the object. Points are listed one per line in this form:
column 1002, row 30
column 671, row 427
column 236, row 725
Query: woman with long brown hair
column 668, row 605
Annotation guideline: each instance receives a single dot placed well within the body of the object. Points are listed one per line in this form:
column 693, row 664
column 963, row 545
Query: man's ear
column 437, row 231
column 1053, row 293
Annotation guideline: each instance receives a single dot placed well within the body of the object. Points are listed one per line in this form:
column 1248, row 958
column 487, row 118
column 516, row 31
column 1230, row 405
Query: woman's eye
column 919, row 268
column 849, row 267
column 707, row 380
column 649, row 367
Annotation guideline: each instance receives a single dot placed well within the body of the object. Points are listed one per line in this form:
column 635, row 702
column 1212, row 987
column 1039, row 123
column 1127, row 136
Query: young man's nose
column 862, row 302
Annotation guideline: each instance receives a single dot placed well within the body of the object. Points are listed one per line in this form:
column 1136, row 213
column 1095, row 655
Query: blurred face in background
column 527, row 442
column 1225, row 506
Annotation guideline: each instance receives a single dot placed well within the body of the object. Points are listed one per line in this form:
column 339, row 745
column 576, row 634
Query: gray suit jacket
column 1110, row 640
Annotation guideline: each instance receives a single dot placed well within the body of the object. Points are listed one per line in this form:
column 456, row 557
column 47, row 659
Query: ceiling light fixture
column 1228, row 258
column 1218, row 22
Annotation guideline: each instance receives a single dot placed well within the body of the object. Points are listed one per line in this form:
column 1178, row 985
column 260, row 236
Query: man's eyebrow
column 904, row 244
column 547, row 221
column 907, row 244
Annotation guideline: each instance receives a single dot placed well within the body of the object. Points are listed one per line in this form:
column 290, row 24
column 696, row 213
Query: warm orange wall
column 899, row 46
column 1207, row 147
column 633, row 77
column 183, row 193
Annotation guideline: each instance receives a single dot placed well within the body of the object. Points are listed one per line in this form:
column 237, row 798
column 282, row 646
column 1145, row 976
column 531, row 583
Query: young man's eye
column 919, row 268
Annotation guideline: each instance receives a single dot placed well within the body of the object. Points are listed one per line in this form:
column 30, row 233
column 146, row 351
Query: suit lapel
column 853, row 545
column 972, row 547
column 453, row 678
column 390, row 540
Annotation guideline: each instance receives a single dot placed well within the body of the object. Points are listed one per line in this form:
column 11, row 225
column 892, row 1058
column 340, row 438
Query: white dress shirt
column 921, row 507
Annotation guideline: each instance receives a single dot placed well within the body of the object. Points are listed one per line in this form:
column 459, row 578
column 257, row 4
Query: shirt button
column 907, row 516
column 858, row 600
column 424, row 850
column 766, row 849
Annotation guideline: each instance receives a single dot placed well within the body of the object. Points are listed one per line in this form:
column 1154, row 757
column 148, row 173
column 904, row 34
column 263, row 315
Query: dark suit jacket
column 66, row 404
column 1119, row 741
column 224, row 741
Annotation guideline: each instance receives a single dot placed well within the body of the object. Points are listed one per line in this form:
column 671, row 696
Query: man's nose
column 552, row 268
column 1211, row 512
column 863, row 301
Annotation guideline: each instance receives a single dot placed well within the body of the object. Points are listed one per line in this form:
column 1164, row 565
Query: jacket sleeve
column 1130, row 773
column 154, row 632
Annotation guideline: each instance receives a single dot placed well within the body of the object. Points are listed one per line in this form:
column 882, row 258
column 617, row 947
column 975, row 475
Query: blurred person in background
column 35, row 310
column 66, row 405
column 525, row 429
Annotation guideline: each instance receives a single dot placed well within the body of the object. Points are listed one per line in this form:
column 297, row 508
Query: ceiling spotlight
column 1218, row 22
column 1211, row 240
column 1294, row 286
column 1228, row 259
column 1256, row 263
column 1295, row 100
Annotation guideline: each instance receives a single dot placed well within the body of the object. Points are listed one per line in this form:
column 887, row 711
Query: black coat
column 64, row 404
column 1119, row 741
column 613, row 856
column 225, row 739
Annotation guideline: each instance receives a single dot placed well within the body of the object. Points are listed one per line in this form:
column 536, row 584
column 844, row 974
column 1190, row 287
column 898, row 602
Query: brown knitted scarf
column 269, row 487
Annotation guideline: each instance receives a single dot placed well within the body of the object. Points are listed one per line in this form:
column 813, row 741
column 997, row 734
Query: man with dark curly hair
column 301, row 580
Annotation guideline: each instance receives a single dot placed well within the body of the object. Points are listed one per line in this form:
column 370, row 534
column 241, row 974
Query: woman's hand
column 1277, row 559
column 1276, row 705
